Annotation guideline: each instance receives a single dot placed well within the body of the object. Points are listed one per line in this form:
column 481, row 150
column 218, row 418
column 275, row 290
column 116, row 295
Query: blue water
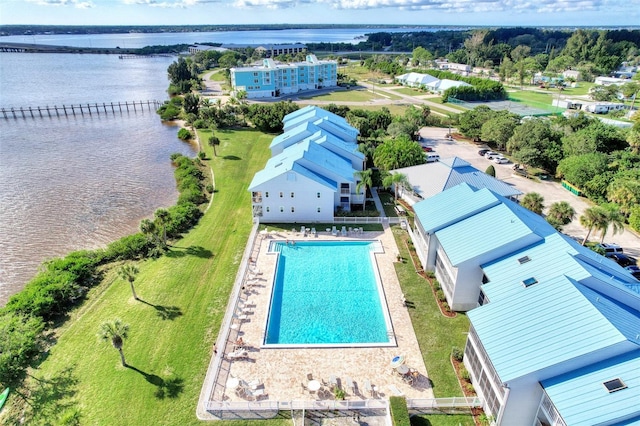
column 326, row 293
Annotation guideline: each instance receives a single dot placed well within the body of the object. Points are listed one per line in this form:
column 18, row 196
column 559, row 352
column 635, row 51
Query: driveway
column 551, row 191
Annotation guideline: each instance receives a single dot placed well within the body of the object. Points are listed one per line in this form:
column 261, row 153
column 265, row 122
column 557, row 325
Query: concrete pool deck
column 283, row 371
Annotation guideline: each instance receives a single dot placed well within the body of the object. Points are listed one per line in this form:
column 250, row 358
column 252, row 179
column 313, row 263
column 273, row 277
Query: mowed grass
column 436, row 334
column 359, row 95
column 172, row 332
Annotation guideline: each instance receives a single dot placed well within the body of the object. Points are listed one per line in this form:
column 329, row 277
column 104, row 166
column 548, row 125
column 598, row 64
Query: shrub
column 440, row 295
column 491, row 171
column 399, row 411
column 136, row 246
column 209, row 188
column 464, row 374
column 183, row 217
column 168, row 112
column 200, row 124
column 184, row 134
column 431, row 275
column 634, row 218
column 202, row 155
column 469, row 388
column 436, row 284
column 457, row 353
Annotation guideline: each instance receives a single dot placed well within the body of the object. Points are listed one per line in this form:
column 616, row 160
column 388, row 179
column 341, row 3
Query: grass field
column 172, row 330
column 360, row 95
column 409, row 91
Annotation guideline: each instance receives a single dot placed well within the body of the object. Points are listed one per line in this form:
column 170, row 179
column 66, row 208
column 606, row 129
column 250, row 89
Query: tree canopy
column 397, row 153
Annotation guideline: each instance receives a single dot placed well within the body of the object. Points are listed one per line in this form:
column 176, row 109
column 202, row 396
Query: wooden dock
column 79, row 109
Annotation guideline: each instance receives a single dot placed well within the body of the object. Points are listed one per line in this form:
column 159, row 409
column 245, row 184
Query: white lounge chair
column 240, row 354
column 313, row 232
column 241, row 317
column 394, row 390
column 367, row 387
column 333, row 381
column 334, row 231
column 348, row 383
column 344, row 231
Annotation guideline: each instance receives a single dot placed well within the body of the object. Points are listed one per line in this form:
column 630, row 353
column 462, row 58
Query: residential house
column 273, row 79
column 608, row 81
column 602, row 107
column 414, row 79
column 571, row 75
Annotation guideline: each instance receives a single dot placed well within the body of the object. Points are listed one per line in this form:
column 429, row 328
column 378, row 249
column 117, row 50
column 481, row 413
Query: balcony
column 257, row 199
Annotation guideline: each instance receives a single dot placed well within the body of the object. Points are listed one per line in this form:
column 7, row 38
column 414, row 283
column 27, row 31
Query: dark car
column 427, row 148
column 635, row 270
column 483, row 151
column 622, row 259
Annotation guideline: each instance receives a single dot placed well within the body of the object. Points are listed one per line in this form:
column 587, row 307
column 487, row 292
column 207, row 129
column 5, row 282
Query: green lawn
column 172, row 332
column 436, row 334
column 409, row 91
column 360, row 95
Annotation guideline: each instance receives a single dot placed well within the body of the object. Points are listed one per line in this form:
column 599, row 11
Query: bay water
column 80, row 182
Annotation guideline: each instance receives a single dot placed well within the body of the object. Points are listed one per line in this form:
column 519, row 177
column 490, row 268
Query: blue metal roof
column 314, row 114
column 487, row 231
column 582, row 399
column 307, row 155
column 296, row 133
column 446, row 208
column 550, row 323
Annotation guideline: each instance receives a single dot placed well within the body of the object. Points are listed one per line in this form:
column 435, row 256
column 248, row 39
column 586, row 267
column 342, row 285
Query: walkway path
column 378, row 203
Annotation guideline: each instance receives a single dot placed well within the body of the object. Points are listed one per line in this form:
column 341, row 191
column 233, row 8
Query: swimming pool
column 327, row 293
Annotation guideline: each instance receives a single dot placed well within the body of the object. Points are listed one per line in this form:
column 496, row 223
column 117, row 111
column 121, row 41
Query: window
column 318, row 209
column 268, row 209
column 281, row 195
column 281, row 209
column 266, row 194
column 292, row 195
column 293, row 209
column 614, row 385
column 524, row 259
column 529, row 282
column 318, row 195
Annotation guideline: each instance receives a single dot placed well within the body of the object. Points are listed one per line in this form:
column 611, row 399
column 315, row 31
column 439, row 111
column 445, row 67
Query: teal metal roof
column 550, row 323
column 491, row 230
column 314, row 114
column 582, row 399
column 297, row 134
column 452, row 205
column 318, row 163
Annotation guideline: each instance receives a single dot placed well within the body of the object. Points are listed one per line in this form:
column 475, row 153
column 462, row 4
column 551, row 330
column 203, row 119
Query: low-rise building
column 555, row 327
column 273, row 79
column 312, row 173
column 602, row 107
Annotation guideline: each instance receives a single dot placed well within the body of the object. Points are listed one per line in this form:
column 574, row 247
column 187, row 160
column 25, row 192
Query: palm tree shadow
column 165, row 388
column 197, row 251
column 164, row 312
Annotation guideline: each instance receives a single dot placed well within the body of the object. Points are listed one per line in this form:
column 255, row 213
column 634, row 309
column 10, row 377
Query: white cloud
column 71, row 3
column 183, row 4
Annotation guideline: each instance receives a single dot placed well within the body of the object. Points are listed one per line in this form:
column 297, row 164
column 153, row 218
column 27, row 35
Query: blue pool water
column 326, row 293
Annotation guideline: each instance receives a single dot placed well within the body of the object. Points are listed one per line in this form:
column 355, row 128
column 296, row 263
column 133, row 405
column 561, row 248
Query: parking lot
column 551, row 191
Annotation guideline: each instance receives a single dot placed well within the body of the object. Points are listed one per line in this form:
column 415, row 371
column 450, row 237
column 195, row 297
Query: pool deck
column 282, row 371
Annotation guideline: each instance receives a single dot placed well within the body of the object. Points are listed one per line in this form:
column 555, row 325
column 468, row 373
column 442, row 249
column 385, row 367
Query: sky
column 402, row 12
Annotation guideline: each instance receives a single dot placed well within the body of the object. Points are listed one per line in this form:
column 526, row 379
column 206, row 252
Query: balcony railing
column 256, row 199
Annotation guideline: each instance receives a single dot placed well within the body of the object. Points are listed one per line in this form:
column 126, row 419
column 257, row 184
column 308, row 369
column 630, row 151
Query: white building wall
column 466, row 287
column 305, row 201
column 521, row 407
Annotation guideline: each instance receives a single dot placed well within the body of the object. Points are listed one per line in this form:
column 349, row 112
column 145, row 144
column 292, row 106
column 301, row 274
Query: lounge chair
column 255, row 393
column 313, row 232
column 344, row 231
column 241, row 317
column 367, row 387
column 334, row 231
column 240, row 354
column 333, row 382
column 394, row 390
column 348, row 383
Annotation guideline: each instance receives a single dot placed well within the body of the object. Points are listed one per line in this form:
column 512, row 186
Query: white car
column 490, row 155
column 500, row 159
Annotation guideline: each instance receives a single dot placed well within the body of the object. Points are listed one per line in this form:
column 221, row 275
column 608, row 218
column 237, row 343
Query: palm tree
column 561, row 213
column 128, row 273
column 148, row 228
column 366, row 181
column 115, row 331
column 613, row 218
column 213, row 142
column 396, row 180
column 534, row 202
column 162, row 217
column 593, row 217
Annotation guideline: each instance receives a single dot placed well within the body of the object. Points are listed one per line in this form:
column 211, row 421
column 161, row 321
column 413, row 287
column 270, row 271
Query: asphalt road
column 551, row 191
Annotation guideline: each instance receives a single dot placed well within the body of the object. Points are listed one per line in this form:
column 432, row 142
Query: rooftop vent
column 524, row 259
column 614, row 385
column 529, row 282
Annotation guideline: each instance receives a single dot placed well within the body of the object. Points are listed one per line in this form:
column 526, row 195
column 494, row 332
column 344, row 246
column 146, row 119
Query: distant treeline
column 122, row 29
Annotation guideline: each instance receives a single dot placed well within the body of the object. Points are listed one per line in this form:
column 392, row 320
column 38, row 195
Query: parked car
column 432, row 157
column 609, row 248
column 483, row 151
column 622, row 259
column 489, row 155
column 634, row 269
column 427, row 148
column 500, row 159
